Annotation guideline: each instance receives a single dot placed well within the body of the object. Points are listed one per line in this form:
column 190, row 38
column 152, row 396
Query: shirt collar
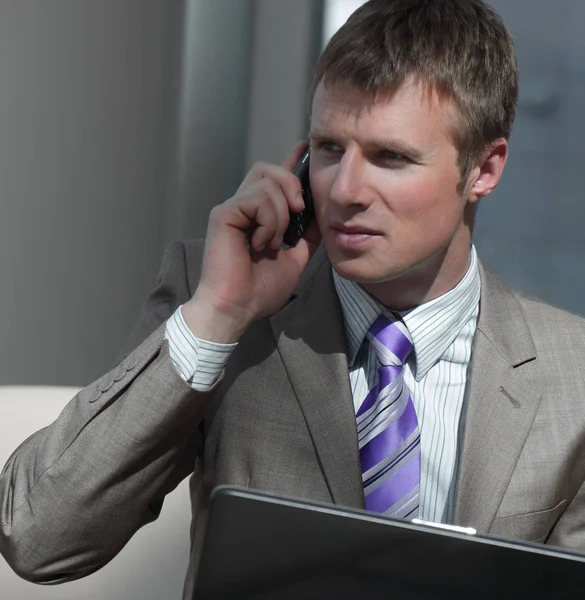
column 433, row 326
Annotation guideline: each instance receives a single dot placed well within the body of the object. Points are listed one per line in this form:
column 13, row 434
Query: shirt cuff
column 198, row 361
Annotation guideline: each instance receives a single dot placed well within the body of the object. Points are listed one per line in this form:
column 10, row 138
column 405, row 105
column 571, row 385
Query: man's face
column 384, row 177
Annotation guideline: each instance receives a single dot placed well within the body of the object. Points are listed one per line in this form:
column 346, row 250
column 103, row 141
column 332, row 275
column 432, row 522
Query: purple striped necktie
column 388, row 433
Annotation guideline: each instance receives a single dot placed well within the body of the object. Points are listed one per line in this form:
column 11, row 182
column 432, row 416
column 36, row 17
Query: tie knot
column 390, row 340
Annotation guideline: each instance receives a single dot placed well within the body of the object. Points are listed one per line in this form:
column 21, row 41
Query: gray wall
column 214, row 103
column 123, row 122
column 251, row 107
column 86, row 107
column 287, row 42
column 531, row 229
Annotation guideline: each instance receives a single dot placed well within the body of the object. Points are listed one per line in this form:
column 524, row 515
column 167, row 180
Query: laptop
column 263, row 546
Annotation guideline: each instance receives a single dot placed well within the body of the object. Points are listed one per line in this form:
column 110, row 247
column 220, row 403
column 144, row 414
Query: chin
column 359, row 271
column 367, row 269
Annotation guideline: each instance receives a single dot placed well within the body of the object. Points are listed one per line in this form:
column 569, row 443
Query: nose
column 347, row 186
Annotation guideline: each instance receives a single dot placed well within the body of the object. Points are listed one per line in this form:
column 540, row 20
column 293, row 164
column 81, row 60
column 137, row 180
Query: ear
column 488, row 170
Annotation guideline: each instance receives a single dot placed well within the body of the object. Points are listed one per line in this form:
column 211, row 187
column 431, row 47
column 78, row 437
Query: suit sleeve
column 74, row 493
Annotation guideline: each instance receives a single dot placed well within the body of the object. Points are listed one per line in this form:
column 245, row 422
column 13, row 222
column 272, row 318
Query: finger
column 267, row 190
column 266, row 210
column 306, row 246
column 274, row 194
column 266, row 226
column 262, row 169
column 248, row 213
column 282, row 209
column 289, row 183
column 293, row 158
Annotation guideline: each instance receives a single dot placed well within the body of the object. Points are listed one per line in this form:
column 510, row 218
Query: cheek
column 320, row 186
column 424, row 202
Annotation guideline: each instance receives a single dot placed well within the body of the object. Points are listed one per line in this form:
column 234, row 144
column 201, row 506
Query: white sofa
column 152, row 565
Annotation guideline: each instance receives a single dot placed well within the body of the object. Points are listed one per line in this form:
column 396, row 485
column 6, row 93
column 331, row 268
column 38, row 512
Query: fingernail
column 300, row 201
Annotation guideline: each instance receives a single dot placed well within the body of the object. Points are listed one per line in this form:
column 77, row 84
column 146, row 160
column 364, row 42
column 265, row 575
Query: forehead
column 412, row 110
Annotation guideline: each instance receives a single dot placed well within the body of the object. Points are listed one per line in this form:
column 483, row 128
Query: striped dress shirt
column 442, row 331
column 198, row 361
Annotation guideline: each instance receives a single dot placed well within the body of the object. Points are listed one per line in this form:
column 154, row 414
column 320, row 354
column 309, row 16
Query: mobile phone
column 300, row 221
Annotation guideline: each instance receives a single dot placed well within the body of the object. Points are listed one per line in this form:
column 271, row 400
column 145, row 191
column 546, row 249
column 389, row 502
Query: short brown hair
column 459, row 48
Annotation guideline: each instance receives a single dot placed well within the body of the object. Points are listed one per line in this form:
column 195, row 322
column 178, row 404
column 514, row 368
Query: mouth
column 351, row 229
column 353, row 237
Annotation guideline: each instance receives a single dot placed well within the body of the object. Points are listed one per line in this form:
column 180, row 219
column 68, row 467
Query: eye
column 388, row 158
column 392, row 156
column 328, row 147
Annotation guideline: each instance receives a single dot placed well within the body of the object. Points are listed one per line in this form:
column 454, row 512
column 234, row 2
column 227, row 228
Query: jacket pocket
column 531, row 527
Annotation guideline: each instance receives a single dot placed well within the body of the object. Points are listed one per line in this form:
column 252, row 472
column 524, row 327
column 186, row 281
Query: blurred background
column 122, row 122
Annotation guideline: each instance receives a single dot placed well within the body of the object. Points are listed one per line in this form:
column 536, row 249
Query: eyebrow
column 393, row 145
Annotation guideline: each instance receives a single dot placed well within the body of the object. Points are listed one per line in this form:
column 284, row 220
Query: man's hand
column 246, row 274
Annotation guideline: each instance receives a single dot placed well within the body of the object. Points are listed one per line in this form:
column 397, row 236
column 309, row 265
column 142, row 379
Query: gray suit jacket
column 281, row 419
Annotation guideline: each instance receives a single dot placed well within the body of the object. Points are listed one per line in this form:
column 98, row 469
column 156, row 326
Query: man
column 385, row 368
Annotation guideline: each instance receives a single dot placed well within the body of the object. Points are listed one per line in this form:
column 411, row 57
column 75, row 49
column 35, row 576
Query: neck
column 426, row 281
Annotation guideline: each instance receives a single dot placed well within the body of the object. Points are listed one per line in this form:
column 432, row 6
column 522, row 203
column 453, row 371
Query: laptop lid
column 260, row 545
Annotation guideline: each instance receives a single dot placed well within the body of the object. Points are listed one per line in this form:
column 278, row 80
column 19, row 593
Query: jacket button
column 130, row 362
column 119, row 373
column 107, row 383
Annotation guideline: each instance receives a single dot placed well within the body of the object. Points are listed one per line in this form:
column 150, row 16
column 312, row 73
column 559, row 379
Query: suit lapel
column 502, row 400
column 311, row 341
